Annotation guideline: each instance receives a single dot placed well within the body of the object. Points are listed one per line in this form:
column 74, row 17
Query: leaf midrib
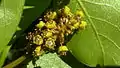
column 93, row 27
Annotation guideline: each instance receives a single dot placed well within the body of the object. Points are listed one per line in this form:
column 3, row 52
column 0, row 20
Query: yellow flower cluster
column 50, row 32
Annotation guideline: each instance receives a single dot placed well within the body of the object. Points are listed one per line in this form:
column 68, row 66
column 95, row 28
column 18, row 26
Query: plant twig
column 16, row 62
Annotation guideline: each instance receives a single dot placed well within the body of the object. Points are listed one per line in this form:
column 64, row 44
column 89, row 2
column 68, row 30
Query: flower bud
column 66, row 10
column 53, row 15
column 62, row 48
column 50, row 24
column 37, row 51
column 40, row 24
column 80, row 13
column 83, row 24
column 47, row 33
column 76, row 25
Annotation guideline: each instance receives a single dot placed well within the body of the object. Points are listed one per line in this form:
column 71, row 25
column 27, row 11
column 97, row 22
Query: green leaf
column 99, row 43
column 50, row 60
column 10, row 14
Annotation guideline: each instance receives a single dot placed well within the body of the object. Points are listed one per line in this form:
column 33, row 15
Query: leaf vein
column 109, row 40
column 100, row 19
column 93, row 27
column 114, row 60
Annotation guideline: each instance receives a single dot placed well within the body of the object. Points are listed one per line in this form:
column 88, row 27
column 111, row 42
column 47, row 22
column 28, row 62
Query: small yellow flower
column 50, row 15
column 76, row 25
column 53, row 15
column 50, row 24
column 62, row 49
column 72, row 28
column 37, row 40
column 37, row 51
column 83, row 24
column 80, row 13
column 73, row 21
column 66, row 10
column 47, row 33
column 50, row 43
column 40, row 24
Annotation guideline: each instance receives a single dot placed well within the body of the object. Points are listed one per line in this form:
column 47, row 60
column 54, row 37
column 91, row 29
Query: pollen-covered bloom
column 38, row 40
column 50, row 43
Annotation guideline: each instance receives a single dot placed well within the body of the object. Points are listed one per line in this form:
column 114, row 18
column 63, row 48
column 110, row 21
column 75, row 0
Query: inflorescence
column 49, row 34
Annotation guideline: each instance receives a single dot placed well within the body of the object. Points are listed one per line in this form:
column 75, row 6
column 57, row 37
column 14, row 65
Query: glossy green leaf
column 10, row 14
column 50, row 60
column 99, row 43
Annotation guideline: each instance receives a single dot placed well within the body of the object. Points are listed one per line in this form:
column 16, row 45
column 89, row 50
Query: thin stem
column 16, row 62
